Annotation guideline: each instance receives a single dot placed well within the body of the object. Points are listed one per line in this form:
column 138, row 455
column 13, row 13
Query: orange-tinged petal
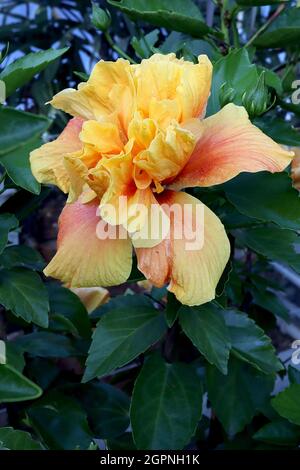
column 47, row 162
column 227, row 145
column 147, row 225
column 83, row 259
column 91, row 297
column 192, row 267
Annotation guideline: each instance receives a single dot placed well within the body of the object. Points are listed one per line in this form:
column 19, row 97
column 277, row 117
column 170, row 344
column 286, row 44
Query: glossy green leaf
column 205, row 326
column 122, row 301
column 23, row 292
column 16, row 163
column 166, row 405
column 124, row 442
column 18, row 127
column 279, row 432
column 250, row 343
column 294, row 374
column 47, row 344
column 61, row 422
column 172, row 308
column 235, row 71
column 107, row 408
column 8, row 222
column 279, row 130
column 283, row 31
column 22, row 70
column 178, row 15
column 120, row 336
column 287, row 403
column 237, row 396
column 67, row 304
column 15, row 387
column 276, row 244
column 279, row 204
column 14, row 439
column 258, row 3
column 268, row 300
column 19, row 135
column 21, row 256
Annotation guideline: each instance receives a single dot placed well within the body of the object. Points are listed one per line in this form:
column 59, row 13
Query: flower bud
column 101, row 19
column 256, row 100
column 226, row 94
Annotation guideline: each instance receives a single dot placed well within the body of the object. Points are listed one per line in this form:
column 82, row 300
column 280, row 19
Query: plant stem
column 118, row 49
column 265, row 25
column 224, row 19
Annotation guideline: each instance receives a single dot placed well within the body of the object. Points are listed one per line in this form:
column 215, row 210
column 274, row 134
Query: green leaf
column 16, row 163
column 258, row 3
column 250, row 343
column 124, row 442
column 8, row 222
column 287, row 403
column 18, row 127
column 67, row 304
column 143, row 47
column 235, row 71
column 279, row 130
column 268, row 300
column 23, row 292
column 44, row 371
column 274, row 243
column 120, row 336
column 14, row 439
column 61, row 422
column 172, row 307
column 21, row 256
column 294, row 375
column 46, row 344
column 22, row 70
column 14, row 356
column 166, row 405
column 279, row 432
column 107, row 409
column 280, row 204
column 206, row 329
column 179, row 16
column 237, row 396
column 19, row 135
column 15, row 387
column 283, row 31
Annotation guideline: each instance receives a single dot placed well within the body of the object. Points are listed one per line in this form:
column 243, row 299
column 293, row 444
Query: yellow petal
column 167, row 153
column 295, row 171
column 108, row 91
column 77, row 173
column 194, row 255
column 165, row 78
column 103, row 136
column 84, row 258
column 47, row 162
column 227, row 145
column 91, row 297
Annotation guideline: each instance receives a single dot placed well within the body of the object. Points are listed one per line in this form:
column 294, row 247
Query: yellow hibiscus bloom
column 138, row 132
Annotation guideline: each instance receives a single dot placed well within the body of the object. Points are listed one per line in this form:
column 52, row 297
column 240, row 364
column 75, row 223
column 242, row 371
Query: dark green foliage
column 135, row 372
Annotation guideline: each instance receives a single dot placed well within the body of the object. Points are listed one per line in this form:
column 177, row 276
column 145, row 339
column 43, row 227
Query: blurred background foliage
column 254, row 46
